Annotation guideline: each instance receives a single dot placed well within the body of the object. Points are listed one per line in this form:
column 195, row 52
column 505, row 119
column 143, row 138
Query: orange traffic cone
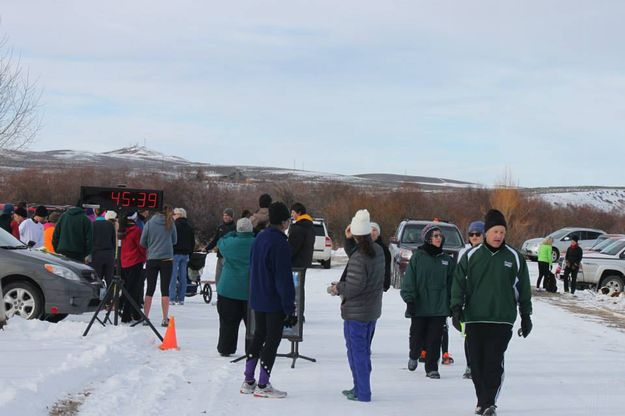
column 170, row 341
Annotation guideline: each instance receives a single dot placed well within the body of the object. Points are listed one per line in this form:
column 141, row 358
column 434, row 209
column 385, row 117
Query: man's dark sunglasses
column 475, row 234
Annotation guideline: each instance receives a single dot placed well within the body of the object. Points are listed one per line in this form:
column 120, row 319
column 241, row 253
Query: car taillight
column 328, row 242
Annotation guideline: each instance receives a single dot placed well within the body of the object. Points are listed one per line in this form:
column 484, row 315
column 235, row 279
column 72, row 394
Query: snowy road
column 569, row 365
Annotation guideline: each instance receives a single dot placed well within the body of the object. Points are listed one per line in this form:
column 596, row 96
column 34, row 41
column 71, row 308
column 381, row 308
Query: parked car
column 37, row 284
column 603, row 241
column 407, row 239
column 605, row 268
column 323, row 243
column 561, row 240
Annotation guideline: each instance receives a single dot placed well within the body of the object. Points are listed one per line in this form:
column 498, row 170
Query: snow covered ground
column 571, row 364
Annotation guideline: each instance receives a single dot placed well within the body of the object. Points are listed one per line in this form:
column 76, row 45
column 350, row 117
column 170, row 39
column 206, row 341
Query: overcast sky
column 454, row 89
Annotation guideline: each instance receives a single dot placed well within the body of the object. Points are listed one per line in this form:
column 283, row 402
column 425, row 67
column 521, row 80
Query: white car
column 323, row 244
column 605, row 268
column 561, row 241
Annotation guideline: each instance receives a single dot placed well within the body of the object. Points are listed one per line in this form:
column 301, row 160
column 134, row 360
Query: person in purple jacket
column 272, row 298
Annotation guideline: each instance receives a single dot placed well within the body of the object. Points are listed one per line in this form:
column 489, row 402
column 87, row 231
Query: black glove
column 289, row 321
column 526, row 326
column 409, row 310
column 457, row 318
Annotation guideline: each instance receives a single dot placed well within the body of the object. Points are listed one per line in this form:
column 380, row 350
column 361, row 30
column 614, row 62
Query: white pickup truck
column 606, row 268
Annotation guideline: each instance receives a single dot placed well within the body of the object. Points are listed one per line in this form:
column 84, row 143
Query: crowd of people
column 481, row 289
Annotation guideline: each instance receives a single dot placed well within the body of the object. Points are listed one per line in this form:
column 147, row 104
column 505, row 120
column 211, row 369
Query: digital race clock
column 115, row 198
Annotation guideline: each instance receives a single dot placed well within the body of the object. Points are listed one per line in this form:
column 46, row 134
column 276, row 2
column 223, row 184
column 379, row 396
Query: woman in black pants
column 158, row 237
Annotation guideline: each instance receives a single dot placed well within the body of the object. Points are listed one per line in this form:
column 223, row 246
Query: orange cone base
column 170, row 342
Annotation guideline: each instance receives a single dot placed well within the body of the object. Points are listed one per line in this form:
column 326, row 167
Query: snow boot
column 467, row 373
column 412, row 364
column 433, row 374
column 491, row 411
column 347, row 392
column 269, row 392
column 447, row 359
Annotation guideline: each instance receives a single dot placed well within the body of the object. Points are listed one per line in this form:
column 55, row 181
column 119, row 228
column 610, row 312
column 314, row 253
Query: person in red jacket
column 133, row 256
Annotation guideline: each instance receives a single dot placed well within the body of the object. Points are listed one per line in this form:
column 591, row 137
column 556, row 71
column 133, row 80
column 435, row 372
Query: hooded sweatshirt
column 73, row 233
column 159, row 240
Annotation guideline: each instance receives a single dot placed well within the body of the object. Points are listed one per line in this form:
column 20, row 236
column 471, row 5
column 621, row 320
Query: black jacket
column 5, row 222
column 185, row 244
column 302, row 242
column 104, row 238
column 223, row 229
column 574, row 255
column 350, row 247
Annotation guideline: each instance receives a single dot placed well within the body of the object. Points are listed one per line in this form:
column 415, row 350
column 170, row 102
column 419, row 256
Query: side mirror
column 622, row 255
column 393, row 240
column 31, row 244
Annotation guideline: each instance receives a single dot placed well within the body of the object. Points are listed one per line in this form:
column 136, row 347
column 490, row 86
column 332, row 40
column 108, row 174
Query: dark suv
column 407, row 239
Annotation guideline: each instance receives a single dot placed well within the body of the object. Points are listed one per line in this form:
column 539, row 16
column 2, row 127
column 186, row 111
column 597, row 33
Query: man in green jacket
column 73, row 234
column 426, row 289
column 490, row 281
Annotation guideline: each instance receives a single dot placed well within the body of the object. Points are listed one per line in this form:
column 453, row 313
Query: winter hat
column 376, row 226
column 244, row 225
column 110, row 215
column 21, row 212
column 41, row 211
column 426, row 233
column 575, row 238
column 278, row 213
column 133, row 216
column 54, row 217
column 494, row 217
column 476, row 227
column 361, row 223
column 8, row 209
column 229, row 212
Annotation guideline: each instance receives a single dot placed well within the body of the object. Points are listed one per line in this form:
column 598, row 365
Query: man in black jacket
column 228, row 225
column 301, row 237
column 573, row 258
column 103, row 249
column 185, row 244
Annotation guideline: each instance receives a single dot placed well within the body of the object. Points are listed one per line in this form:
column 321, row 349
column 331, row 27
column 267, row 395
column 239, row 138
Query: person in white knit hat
column 361, row 305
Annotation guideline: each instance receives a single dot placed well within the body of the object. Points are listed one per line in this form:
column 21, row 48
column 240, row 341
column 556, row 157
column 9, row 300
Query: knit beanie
column 476, row 227
column 229, row 212
column 21, row 212
column 361, row 223
column 494, row 217
column 244, row 225
column 110, row 215
column 376, row 226
column 8, row 209
column 41, row 211
column 278, row 213
column 426, row 233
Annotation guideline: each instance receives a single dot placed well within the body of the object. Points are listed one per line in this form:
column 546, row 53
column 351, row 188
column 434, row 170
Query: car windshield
column 556, row 235
column 412, row 235
column 600, row 245
column 614, row 248
column 8, row 241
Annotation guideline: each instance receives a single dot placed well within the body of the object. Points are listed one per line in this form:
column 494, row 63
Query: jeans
column 179, row 275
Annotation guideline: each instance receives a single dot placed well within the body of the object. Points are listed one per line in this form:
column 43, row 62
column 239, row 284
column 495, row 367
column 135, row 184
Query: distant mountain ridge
column 141, row 158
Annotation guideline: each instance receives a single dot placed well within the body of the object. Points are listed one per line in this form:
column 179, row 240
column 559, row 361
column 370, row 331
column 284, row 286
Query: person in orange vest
column 48, row 230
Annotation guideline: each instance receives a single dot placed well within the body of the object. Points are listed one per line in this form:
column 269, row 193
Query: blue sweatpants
column 358, row 336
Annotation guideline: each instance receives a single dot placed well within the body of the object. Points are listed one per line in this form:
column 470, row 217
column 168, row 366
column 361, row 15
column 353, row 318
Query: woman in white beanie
column 361, row 305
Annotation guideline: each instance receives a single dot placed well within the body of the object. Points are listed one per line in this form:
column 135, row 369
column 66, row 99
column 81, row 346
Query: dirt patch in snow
column 69, row 406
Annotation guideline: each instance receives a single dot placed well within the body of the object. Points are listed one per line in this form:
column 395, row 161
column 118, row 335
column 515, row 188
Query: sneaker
column 269, row 392
column 447, row 359
column 172, row 303
column 352, row 396
column 247, row 388
column 479, row 410
column 180, row 303
column 412, row 364
column 347, row 392
column 165, row 323
column 467, row 373
column 490, row 411
column 422, row 357
column 433, row 374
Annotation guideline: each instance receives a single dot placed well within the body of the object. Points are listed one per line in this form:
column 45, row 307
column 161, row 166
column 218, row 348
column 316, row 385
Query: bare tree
column 19, row 102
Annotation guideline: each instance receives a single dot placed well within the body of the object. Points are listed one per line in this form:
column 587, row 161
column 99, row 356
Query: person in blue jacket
column 272, row 298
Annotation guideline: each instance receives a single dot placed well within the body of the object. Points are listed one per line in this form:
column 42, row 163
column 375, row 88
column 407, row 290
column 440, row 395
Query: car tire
column 613, row 281
column 56, row 317
column 555, row 255
column 23, row 299
column 326, row 263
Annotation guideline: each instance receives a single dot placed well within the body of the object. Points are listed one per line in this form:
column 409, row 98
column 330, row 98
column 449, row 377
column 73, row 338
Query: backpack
column 550, row 282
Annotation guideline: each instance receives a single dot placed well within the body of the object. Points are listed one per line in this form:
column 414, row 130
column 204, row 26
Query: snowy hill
column 605, row 199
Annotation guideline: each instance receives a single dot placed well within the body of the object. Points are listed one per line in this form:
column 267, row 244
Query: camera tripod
column 113, row 293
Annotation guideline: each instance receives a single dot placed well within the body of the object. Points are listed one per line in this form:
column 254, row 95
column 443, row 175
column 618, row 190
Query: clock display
column 114, row 198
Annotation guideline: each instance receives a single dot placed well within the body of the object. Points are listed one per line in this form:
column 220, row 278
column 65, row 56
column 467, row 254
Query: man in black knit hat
column 490, row 282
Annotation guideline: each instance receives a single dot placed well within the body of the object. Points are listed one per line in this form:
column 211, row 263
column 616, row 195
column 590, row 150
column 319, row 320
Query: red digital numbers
column 125, row 199
column 115, row 196
column 141, row 198
column 152, row 200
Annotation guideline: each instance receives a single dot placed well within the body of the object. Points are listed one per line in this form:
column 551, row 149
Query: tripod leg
column 100, row 306
column 137, row 309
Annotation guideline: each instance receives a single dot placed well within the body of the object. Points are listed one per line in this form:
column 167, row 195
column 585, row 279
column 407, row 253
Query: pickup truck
column 606, row 268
